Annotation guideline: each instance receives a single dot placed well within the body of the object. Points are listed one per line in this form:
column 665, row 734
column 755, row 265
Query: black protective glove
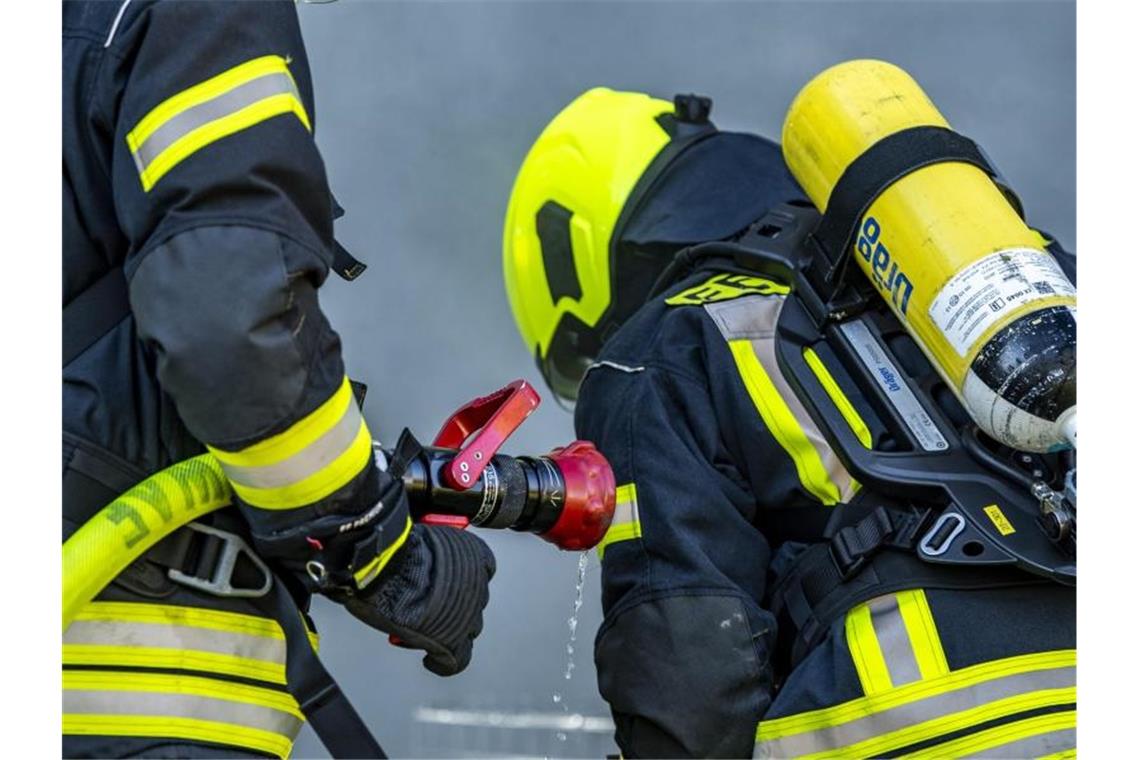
column 432, row 598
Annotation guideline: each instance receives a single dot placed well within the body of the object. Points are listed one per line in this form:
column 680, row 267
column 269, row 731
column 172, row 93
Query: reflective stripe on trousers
column 105, row 699
column 914, row 705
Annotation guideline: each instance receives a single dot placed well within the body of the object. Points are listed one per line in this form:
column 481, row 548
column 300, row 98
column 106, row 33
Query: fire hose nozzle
column 588, row 500
column 566, row 497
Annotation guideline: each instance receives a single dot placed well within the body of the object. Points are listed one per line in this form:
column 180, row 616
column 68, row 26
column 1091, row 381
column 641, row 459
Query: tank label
column 990, row 288
column 890, row 380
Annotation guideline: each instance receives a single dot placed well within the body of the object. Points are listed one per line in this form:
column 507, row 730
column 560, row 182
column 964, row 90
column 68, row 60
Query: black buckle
column 851, row 546
column 907, row 535
column 219, row 580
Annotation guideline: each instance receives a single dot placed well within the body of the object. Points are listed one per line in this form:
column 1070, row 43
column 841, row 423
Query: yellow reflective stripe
column 317, row 486
column 166, row 683
column 368, row 573
column 202, row 92
column 190, row 729
column 209, row 640
column 957, row 679
column 839, row 398
column 312, row 450
column 782, row 423
column 300, row 435
column 115, row 655
column 275, row 105
column 190, row 707
column 999, row 736
column 1065, row 754
column 166, row 614
column 197, row 617
column 865, row 651
column 202, row 132
column 946, row 724
column 923, row 634
column 626, row 524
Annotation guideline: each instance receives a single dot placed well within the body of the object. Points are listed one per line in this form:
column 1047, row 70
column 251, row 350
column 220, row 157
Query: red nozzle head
column 590, row 497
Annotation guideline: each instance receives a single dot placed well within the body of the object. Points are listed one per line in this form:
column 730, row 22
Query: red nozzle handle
column 493, row 418
column 590, row 497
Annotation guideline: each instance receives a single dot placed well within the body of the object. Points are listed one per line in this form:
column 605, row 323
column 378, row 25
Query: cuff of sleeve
column 372, row 563
column 310, row 461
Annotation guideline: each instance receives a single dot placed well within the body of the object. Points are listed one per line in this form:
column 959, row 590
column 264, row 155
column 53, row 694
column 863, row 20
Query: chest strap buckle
column 210, row 563
column 852, row 546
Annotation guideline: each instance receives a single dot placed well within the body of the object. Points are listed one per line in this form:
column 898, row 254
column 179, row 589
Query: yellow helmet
column 568, row 284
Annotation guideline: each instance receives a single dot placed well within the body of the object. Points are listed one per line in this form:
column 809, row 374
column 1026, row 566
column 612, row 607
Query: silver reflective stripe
column 112, row 702
column 1037, row 745
column 625, row 512
column 894, row 642
column 308, row 461
column 754, row 318
column 176, row 637
column 918, row 711
column 231, row 101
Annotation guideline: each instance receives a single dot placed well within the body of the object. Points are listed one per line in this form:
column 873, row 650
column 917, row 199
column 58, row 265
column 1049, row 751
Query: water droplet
column 572, row 625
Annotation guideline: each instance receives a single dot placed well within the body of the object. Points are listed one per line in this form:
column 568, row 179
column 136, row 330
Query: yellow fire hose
column 134, row 522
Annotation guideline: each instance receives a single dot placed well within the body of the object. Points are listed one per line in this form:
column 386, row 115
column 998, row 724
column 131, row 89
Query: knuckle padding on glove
column 460, row 563
column 435, row 600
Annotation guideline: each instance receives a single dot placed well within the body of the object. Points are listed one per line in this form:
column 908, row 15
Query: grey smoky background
column 425, row 111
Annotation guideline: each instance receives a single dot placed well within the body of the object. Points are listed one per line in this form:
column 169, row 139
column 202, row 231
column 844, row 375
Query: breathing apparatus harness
column 989, row 516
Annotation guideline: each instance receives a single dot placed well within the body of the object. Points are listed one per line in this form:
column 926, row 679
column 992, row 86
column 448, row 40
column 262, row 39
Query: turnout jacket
column 723, row 479
column 196, row 203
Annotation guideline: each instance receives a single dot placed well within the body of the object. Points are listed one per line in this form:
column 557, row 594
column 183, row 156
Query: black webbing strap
column 879, row 167
column 94, row 313
column 345, row 264
column 830, row 578
column 324, row 705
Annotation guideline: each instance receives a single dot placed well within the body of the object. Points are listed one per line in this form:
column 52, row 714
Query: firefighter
column 724, row 478
column 197, row 228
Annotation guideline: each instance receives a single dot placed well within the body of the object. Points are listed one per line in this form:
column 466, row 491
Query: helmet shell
column 558, row 237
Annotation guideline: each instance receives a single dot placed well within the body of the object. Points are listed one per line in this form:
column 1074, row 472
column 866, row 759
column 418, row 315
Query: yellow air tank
column 970, row 281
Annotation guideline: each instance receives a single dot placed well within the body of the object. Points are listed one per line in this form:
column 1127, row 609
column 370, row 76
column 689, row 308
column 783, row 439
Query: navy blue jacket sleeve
column 683, row 654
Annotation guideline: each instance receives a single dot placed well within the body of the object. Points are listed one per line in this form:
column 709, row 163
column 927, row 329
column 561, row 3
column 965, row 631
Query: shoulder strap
column 334, row 719
column 94, row 313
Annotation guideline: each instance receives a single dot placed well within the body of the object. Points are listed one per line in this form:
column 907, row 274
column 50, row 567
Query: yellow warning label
column 1004, row 526
column 723, row 287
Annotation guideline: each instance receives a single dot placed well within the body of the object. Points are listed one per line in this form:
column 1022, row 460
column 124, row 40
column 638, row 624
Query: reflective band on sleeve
column 312, row 459
column 179, row 706
column 926, row 709
column 196, row 117
column 626, row 524
column 128, row 634
column 749, row 326
column 368, row 573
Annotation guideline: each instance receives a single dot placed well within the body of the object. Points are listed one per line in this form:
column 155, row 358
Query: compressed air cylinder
column 970, row 281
